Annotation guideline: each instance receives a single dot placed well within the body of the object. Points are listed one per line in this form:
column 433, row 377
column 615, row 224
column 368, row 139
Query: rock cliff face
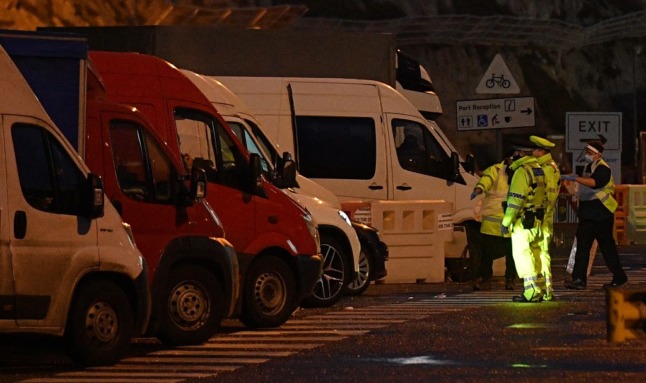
column 605, row 77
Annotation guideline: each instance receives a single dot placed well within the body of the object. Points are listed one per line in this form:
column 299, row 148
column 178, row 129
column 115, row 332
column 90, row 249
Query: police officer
column 552, row 187
column 596, row 219
column 523, row 219
column 494, row 183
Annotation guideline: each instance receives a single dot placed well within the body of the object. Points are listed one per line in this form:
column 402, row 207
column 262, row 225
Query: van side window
column 418, row 151
column 204, row 139
column 248, row 142
column 49, row 179
column 336, row 147
column 143, row 170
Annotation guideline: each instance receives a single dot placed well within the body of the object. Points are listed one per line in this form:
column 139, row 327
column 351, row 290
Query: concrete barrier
column 415, row 232
column 636, row 214
column 626, row 309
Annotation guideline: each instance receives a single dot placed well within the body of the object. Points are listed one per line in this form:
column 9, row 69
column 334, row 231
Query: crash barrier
column 626, row 314
column 566, row 209
column 636, row 214
column 415, row 232
column 619, row 229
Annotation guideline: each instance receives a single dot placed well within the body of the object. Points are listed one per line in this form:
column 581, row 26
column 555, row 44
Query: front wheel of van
column 360, row 284
column 336, row 275
column 269, row 293
column 100, row 324
column 192, row 307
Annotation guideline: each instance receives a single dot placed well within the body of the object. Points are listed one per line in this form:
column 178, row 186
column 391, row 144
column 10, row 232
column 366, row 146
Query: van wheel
column 336, row 274
column 100, row 324
column 269, row 293
column 193, row 308
column 360, row 284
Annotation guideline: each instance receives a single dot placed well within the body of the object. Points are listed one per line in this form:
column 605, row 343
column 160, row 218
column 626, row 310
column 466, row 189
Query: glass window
column 418, row 151
column 247, row 140
column 143, row 170
column 336, row 147
column 205, row 142
column 49, row 178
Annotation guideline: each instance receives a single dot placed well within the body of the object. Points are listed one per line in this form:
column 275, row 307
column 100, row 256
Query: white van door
column 421, row 164
column 338, row 138
column 47, row 236
column 7, row 296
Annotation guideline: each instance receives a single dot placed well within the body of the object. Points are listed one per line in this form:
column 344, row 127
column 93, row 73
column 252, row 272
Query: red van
column 193, row 270
column 276, row 240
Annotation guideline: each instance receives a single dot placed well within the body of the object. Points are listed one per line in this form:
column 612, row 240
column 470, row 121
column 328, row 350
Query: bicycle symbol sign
column 497, row 80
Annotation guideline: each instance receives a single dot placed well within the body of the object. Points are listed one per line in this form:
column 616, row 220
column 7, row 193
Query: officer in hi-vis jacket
column 524, row 213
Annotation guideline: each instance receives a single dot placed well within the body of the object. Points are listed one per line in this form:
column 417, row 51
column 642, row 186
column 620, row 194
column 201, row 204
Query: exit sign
column 582, row 127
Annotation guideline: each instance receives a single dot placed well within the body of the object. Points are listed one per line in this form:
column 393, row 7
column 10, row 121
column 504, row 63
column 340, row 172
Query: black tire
column 100, row 324
column 192, row 306
column 361, row 283
column 331, row 286
column 269, row 293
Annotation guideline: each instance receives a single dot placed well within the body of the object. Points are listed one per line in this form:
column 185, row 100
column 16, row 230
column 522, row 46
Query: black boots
column 575, row 284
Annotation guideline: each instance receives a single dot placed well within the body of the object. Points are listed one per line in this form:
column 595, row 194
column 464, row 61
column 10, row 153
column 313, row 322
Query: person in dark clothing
column 596, row 219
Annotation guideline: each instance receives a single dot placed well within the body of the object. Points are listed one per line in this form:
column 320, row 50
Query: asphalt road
column 443, row 332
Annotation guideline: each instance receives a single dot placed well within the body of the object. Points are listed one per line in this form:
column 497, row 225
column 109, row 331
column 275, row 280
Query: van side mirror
column 470, row 163
column 254, row 182
column 455, row 166
column 286, row 172
column 94, row 197
column 198, row 183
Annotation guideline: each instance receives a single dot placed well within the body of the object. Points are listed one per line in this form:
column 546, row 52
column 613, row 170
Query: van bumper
column 308, row 272
column 144, row 300
column 376, row 249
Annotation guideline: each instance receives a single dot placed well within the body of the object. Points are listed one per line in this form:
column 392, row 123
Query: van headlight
column 314, row 231
column 131, row 237
column 345, row 217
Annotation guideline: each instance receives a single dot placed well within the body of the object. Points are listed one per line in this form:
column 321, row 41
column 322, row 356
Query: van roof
column 18, row 98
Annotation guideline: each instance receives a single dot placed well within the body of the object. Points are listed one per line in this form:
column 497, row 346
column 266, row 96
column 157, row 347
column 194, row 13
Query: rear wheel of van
column 269, row 293
column 193, row 306
column 336, row 275
column 360, row 284
column 100, row 324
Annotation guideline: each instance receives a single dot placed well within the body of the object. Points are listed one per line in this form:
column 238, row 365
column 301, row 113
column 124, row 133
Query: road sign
column 581, row 127
column 496, row 113
column 498, row 79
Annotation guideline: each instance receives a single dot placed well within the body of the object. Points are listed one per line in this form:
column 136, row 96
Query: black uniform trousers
column 494, row 247
column 587, row 231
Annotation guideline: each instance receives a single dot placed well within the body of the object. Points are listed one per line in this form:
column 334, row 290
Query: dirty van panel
column 50, row 184
column 342, row 154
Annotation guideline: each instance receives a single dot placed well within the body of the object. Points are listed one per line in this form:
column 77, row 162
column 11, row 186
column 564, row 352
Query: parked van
column 334, row 225
column 70, row 266
column 194, row 274
column 276, row 240
column 193, row 269
column 363, row 140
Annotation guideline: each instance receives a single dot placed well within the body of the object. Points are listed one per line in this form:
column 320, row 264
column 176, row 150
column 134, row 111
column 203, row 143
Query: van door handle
column 20, row 224
column 404, row 187
column 375, row 187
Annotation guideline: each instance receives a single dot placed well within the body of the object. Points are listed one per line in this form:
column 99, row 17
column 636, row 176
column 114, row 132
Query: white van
column 340, row 244
column 363, row 140
column 68, row 264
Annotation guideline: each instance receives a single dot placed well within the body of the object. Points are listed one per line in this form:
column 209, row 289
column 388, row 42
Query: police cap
column 541, row 143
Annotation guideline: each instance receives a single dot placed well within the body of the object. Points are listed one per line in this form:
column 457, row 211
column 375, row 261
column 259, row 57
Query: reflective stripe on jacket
column 604, row 194
column 526, row 191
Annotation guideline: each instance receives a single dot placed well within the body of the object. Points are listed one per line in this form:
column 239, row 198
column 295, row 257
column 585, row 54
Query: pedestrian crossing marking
column 232, row 351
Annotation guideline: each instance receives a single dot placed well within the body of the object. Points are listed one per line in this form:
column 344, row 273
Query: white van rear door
column 339, row 139
column 50, row 244
column 421, row 165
